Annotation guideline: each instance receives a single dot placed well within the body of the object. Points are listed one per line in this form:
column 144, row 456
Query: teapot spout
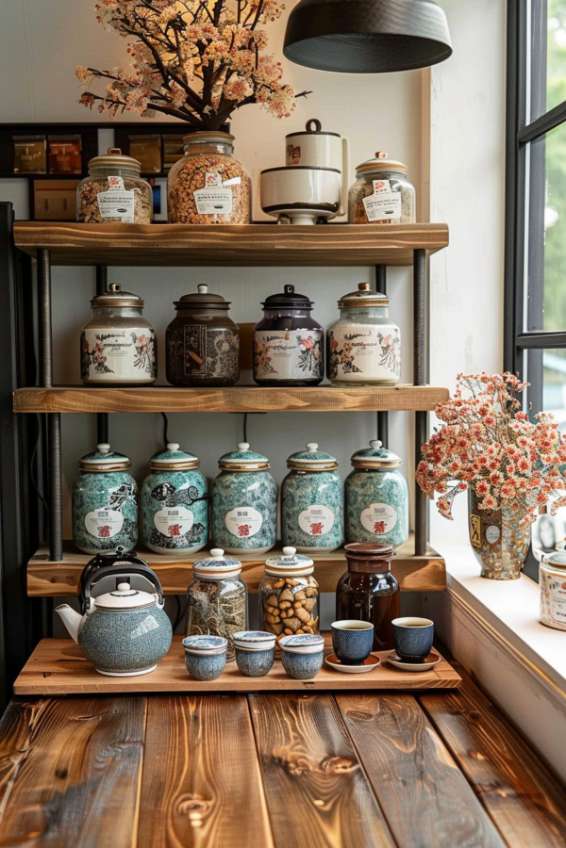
column 71, row 619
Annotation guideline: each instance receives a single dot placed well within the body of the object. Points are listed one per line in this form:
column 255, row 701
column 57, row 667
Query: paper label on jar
column 316, row 520
column 378, row 518
column 214, row 200
column 174, row 522
column 109, row 355
column 288, row 354
column 557, row 602
column 104, row 523
column 117, row 203
column 243, row 521
column 362, row 352
column 384, row 204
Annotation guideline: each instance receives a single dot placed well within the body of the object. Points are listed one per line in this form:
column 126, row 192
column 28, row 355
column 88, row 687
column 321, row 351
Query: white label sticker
column 213, row 201
column 492, row 534
column 383, row 204
column 288, row 354
column 117, row 204
column 243, row 521
column 104, row 523
column 316, row 520
column 124, row 354
column 379, row 518
column 558, row 604
column 173, row 522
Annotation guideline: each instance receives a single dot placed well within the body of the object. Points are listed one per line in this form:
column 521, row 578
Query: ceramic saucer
column 427, row 663
column 368, row 664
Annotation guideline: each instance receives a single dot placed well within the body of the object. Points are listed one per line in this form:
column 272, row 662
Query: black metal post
column 382, row 417
column 44, row 318
column 102, row 418
column 420, row 377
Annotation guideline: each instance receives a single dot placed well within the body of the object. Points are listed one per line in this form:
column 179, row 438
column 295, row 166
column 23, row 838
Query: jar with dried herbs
column 114, row 192
column 217, row 599
column 289, row 594
column 382, row 193
column 208, row 185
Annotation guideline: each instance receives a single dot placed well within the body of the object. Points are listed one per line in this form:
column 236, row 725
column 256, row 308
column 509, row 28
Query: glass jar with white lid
column 382, row 193
column 289, row 594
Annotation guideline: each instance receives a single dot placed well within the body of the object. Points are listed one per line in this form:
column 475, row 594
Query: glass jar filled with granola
column 114, row 192
column 382, row 193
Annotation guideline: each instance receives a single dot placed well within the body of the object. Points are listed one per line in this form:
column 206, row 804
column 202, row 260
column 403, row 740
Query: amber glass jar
column 368, row 591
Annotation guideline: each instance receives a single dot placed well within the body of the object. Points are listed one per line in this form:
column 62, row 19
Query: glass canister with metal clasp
column 377, row 498
column 289, row 594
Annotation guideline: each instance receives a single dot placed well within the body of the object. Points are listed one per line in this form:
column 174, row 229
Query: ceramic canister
column 174, row 504
column 244, row 502
column 552, row 576
column 377, row 498
column 105, row 509
column 312, row 502
column 318, row 148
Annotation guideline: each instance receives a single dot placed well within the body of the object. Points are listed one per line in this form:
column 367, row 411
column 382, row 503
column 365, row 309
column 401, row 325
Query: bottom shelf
column 58, row 667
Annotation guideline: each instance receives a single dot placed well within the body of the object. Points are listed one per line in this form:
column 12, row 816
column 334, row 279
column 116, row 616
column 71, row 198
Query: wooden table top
column 438, row 770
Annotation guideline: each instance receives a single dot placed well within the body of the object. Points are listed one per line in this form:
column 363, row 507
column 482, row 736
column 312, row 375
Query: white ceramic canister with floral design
column 552, row 578
column 364, row 345
column 118, row 345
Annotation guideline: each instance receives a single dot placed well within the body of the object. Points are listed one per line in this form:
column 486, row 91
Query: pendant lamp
column 367, row 36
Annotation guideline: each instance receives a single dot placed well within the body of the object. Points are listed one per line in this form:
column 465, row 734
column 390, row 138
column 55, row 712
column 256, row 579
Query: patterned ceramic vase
column 105, row 509
column 244, row 502
column 174, row 504
column 377, row 498
column 312, row 502
column 500, row 538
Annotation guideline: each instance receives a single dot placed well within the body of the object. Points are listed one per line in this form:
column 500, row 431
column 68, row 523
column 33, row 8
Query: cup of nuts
column 289, row 595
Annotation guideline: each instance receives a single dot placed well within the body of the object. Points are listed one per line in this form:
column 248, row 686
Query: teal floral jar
column 174, row 503
column 244, row 503
column 312, row 502
column 377, row 498
column 105, row 508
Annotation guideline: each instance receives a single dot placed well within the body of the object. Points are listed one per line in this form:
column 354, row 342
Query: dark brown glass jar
column 368, row 591
column 203, row 343
column 288, row 343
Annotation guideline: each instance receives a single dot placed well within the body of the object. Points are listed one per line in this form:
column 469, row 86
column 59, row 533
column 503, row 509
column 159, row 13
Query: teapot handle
column 118, row 573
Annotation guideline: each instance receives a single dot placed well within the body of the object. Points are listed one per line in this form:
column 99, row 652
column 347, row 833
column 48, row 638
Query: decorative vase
column 500, row 539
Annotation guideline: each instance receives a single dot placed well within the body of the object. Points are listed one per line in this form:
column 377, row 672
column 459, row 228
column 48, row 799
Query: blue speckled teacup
column 205, row 656
column 255, row 651
column 302, row 656
column 352, row 640
column 413, row 637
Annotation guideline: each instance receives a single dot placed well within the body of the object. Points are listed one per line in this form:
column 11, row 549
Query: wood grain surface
column 252, row 244
column 316, row 790
column 424, row 796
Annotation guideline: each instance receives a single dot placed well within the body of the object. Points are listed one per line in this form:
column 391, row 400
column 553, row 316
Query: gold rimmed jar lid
column 173, row 459
column 243, row 459
column 555, row 559
column 289, row 562
column 363, row 296
column 217, row 566
column 114, row 160
column 104, row 460
column 312, row 459
column 209, row 137
column 376, row 457
column 114, row 296
column 381, row 163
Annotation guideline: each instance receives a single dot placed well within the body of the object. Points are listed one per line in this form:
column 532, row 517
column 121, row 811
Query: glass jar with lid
column 208, row 185
column 288, row 342
column 202, row 341
column 377, row 498
column 289, row 594
column 114, row 191
column 312, row 502
column 364, row 345
column 368, row 591
column 552, row 577
column 382, row 193
column 118, row 345
column 217, row 598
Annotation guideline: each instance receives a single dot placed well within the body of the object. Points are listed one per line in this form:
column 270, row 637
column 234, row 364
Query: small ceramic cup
column 255, row 651
column 302, row 656
column 413, row 637
column 352, row 640
column 205, row 656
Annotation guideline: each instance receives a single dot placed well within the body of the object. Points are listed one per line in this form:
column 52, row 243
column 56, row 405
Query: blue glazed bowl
column 352, row 640
column 413, row 637
column 205, row 656
column 302, row 656
column 255, row 651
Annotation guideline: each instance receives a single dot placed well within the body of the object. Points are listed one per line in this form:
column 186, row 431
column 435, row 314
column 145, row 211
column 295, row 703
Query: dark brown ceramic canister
column 203, row 343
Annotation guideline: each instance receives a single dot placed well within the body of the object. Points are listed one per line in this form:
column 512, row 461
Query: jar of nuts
column 114, row 192
column 208, row 185
column 289, row 594
column 382, row 193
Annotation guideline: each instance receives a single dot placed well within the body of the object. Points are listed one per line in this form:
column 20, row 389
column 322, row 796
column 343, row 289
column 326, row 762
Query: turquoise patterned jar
column 105, row 508
column 377, row 498
column 312, row 502
column 244, row 503
column 174, row 504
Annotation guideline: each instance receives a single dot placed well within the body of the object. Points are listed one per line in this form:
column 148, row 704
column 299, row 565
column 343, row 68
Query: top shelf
column 249, row 244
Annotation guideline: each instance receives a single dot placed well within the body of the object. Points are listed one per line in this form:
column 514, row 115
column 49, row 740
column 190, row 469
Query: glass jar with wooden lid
column 114, row 191
column 382, row 193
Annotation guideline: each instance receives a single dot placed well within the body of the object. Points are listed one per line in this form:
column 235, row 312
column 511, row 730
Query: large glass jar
column 208, row 185
column 202, row 341
column 174, row 503
column 312, row 502
column 377, row 498
column 368, row 591
column 244, row 502
column 217, row 598
column 288, row 342
column 289, row 594
column 364, row 345
column 382, row 193
column 114, row 192
column 118, row 345
column 105, row 508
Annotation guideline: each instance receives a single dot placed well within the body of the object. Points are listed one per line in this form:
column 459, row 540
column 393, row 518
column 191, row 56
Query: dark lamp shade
column 367, row 36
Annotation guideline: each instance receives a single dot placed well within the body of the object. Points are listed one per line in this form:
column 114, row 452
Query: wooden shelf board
column 250, row 244
column 58, row 667
column 57, row 579
column 232, row 399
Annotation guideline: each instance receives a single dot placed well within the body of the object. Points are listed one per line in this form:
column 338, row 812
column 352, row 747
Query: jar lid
column 368, row 558
column 209, row 137
column 311, row 459
column 363, row 296
column 556, row 559
column 202, row 299
column 104, row 459
column 380, row 163
column 376, row 456
column 289, row 562
column 173, row 459
column 114, row 158
column 115, row 296
column 243, row 459
column 288, row 299
column 217, row 566
column 124, row 597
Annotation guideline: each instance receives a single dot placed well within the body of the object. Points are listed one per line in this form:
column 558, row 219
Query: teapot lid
column 289, row 562
column 124, row 597
column 173, row 459
column 312, row 459
column 116, row 296
column 104, row 459
column 202, row 299
column 288, row 298
column 243, row 459
column 217, row 566
column 363, row 296
column 376, row 456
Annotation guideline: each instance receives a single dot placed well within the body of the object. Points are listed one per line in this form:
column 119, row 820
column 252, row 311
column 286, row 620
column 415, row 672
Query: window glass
column 556, row 53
